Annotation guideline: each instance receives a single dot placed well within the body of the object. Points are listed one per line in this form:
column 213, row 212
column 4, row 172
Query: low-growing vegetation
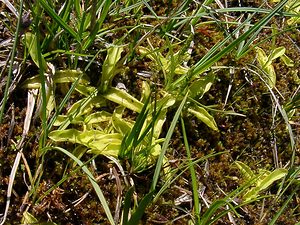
column 149, row 112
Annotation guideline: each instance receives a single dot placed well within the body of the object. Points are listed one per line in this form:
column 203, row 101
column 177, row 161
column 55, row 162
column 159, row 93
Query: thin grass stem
column 11, row 65
column 193, row 173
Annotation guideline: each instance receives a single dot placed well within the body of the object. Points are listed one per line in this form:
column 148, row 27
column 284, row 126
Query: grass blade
column 42, row 70
column 281, row 210
column 259, row 26
column 98, row 25
column 211, row 210
column 134, row 220
column 166, row 143
column 10, row 71
column 215, row 54
column 59, row 20
column 92, row 180
column 193, row 174
column 127, row 202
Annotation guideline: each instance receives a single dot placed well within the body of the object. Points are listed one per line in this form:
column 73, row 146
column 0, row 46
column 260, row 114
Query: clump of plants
column 85, row 113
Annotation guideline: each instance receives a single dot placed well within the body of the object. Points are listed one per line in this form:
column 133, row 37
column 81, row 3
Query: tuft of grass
column 12, row 59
